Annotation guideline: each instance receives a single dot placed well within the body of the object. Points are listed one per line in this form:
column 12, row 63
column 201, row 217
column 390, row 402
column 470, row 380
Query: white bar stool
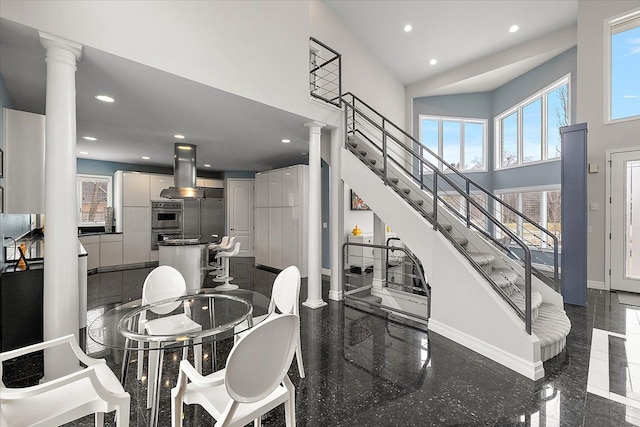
column 225, row 278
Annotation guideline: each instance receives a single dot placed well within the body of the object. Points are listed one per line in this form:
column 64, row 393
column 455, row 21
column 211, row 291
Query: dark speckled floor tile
column 365, row 370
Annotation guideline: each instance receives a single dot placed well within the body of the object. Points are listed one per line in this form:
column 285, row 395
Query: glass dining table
column 221, row 315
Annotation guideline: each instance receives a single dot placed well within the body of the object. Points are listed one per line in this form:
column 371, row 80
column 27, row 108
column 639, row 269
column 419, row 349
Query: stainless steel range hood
column 184, row 174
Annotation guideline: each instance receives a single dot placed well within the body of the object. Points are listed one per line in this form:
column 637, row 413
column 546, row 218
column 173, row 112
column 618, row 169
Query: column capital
column 51, row 43
column 314, row 126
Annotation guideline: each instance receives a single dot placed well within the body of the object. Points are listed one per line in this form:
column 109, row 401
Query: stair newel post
column 384, row 151
column 527, row 287
column 435, row 200
column 467, row 198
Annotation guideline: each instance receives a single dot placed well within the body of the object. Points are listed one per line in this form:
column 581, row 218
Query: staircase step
column 419, row 202
column 394, row 180
column 536, row 300
column 484, row 260
column 462, row 241
column 505, row 278
column 406, row 190
column 362, row 152
column 552, row 327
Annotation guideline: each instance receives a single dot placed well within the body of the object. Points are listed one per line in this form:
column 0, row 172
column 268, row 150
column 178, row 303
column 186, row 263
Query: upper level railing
column 325, row 71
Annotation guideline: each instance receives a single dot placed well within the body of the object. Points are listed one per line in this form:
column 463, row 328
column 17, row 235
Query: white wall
column 591, row 102
column 255, row 49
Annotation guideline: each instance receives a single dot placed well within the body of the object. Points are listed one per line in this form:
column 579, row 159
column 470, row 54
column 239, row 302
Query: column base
column 314, row 304
column 335, row 295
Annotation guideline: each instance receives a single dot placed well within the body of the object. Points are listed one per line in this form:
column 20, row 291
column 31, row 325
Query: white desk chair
column 285, row 297
column 225, row 278
column 94, row 389
column 164, row 283
column 254, row 381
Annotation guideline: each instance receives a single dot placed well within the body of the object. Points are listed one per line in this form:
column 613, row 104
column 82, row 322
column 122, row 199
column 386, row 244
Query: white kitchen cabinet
column 23, row 137
column 281, row 223
column 262, row 190
column 110, row 250
column 135, row 189
column 92, row 246
column 136, row 234
column 157, row 183
column 210, row 182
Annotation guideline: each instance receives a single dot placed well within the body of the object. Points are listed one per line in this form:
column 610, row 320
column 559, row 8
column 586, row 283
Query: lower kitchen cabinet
column 110, row 250
column 92, row 246
column 136, row 234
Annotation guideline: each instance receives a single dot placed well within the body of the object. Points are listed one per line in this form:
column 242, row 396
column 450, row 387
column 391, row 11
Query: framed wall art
column 357, row 204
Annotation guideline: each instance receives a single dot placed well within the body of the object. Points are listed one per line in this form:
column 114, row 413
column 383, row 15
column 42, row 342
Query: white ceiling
column 234, row 133
column 453, row 32
column 230, row 132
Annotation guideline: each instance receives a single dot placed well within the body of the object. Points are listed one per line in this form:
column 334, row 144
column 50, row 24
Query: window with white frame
column 458, row 203
column 530, row 131
column 623, row 86
column 94, row 195
column 542, row 206
column 459, row 142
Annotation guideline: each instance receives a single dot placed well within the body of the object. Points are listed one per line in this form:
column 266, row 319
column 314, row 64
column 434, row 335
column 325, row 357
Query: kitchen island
column 188, row 256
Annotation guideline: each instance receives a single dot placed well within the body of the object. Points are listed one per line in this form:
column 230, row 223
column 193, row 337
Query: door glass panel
column 632, row 220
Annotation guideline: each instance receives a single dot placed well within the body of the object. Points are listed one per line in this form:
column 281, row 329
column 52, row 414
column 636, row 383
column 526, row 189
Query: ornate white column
column 61, row 304
column 314, row 281
column 336, row 223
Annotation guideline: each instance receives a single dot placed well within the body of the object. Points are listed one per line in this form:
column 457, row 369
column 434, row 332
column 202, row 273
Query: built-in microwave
column 166, row 215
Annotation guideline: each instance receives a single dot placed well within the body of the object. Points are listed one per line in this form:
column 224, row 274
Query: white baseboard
column 326, row 272
column 335, row 295
column 531, row 370
column 594, row 284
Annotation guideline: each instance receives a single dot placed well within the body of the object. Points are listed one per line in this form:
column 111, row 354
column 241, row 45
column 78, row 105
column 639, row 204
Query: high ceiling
column 454, row 32
column 230, row 132
column 234, row 133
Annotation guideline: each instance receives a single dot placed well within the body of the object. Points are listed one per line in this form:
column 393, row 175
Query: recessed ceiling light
column 407, row 28
column 84, row 152
column 178, row 136
column 145, row 157
column 433, row 61
column 90, row 138
column 184, row 147
column 513, row 28
column 207, row 165
column 286, row 141
column 104, row 98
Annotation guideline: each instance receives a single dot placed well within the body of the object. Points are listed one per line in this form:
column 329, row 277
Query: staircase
column 484, row 296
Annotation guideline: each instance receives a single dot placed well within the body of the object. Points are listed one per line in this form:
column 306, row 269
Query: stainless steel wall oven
column 166, row 221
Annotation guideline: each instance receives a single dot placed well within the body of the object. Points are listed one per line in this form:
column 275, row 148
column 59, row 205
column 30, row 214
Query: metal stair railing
column 325, row 73
column 416, row 266
column 354, row 112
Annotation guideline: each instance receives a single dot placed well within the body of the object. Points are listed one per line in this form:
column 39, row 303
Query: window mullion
column 440, row 143
column 545, row 126
column 461, row 144
column 519, row 139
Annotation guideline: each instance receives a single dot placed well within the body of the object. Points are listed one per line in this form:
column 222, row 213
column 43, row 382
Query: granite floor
column 366, row 370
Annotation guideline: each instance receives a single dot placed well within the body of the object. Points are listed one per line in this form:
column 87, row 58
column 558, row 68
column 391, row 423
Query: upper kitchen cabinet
column 289, row 186
column 157, row 183
column 210, row 182
column 23, row 135
column 275, row 188
column 135, row 189
column 262, row 189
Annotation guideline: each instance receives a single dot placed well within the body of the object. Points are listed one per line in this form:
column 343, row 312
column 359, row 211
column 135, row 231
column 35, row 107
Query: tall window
column 541, row 206
column 459, row 142
column 529, row 132
column 94, row 195
column 624, row 67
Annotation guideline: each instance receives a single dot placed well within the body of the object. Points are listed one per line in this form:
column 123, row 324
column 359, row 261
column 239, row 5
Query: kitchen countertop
column 182, row 242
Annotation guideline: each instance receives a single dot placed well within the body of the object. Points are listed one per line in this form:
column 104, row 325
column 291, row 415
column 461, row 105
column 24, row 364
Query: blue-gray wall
column 99, row 167
column 487, row 105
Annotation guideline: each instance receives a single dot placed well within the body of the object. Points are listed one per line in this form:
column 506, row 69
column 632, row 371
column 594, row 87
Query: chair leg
column 122, row 415
column 197, row 354
column 257, row 422
column 176, row 408
column 299, row 358
column 99, row 419
column 140, row 359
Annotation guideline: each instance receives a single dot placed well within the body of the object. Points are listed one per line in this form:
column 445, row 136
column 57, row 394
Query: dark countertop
column 98, row 233
column 182, row 242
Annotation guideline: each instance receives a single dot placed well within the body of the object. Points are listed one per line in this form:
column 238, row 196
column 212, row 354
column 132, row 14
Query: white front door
column 240, row 214
column 625, row 221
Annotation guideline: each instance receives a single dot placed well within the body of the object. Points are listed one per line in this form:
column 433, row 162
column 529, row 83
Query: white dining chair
column 164, row 283
column 91, row 390
column 254, row 382
column 285, row 298
column 224, row 278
